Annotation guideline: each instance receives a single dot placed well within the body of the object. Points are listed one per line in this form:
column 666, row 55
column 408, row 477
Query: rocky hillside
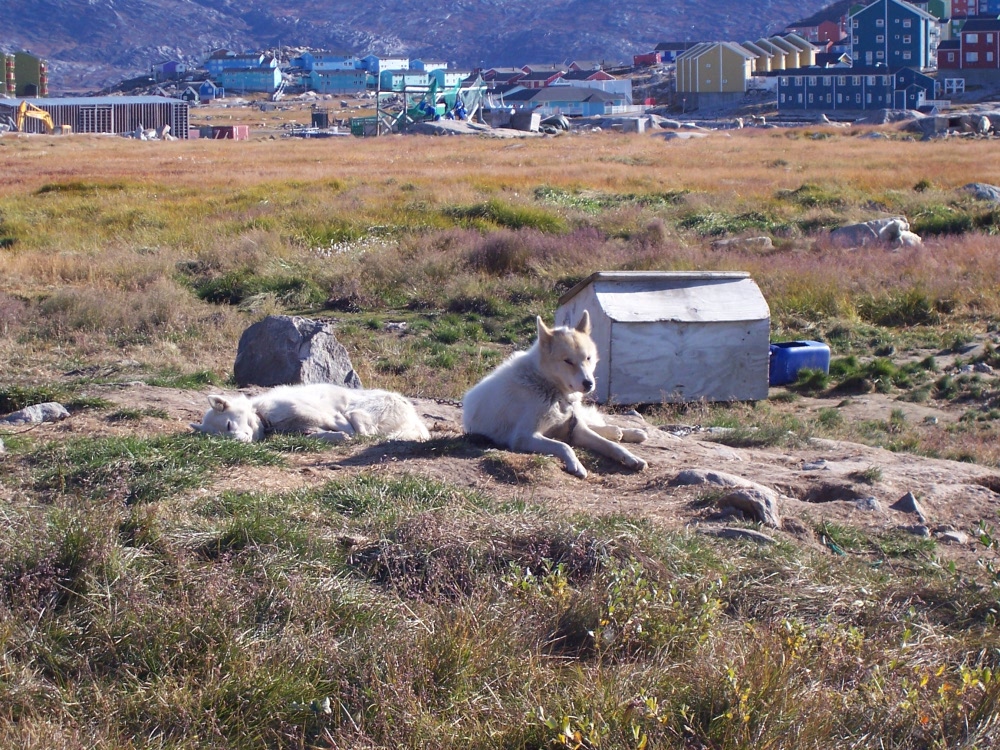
column 91, row 43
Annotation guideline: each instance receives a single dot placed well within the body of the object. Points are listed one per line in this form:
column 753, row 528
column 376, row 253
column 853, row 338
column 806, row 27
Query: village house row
column 850, row 56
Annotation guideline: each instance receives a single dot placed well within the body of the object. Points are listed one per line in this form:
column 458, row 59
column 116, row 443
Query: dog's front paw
column 634, row 435
column 575, row 468
column 634, row 462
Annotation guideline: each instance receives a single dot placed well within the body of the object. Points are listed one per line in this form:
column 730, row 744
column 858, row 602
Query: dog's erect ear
column 218, row 403
column 544, row 332
column 584, row 325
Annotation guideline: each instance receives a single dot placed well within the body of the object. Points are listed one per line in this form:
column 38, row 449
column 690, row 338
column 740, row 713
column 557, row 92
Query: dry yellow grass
column 747, row 165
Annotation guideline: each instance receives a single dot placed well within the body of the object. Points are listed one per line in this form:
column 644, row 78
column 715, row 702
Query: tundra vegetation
column 140, row 607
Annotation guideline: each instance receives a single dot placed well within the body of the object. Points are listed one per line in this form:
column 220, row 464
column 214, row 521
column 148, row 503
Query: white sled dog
column 321, row 410
column 533, row 401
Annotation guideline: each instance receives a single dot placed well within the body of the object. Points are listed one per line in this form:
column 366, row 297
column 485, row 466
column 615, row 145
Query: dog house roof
column 673, row 296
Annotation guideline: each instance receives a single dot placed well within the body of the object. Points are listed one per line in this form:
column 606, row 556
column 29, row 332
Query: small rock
column 983, row 191
column 930, row 419
column 815, row 465
column 50, row 411
column 966, row 369
column 734, row 532
column 759, row 503
column 951, row 536
column 869, row 503
column 704, row 476
column 982, row 367
column 399, row 327
column 908, row 504
column 917, row 530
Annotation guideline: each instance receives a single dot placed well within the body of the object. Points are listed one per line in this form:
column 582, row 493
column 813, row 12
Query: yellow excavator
column 26, row 109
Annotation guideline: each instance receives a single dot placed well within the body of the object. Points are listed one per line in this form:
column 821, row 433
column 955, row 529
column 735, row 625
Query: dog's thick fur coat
column 533, row 402
column 322, row 410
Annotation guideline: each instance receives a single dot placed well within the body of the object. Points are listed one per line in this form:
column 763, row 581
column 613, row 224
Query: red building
column 977, row 48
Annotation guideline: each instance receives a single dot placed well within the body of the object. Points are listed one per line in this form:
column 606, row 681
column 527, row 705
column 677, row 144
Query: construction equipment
column 25, row 110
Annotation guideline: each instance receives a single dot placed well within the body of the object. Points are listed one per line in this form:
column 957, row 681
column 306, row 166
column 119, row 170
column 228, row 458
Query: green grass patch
column 494, row 213
column 136, row 470
column 717, row 223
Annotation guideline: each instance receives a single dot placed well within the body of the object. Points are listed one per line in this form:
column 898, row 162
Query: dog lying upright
column 533, row 402
column 321, row 410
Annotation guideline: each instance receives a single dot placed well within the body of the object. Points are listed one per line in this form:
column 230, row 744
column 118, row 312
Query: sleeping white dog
column 321, row 410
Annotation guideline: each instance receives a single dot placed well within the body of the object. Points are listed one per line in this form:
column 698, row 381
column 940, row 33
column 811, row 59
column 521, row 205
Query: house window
column 840, row 98
column 907, row 23
column 857, row 98
column 972, row 57
column 880, row 38
column 783, row 80
column 854, row 39
column 971, row 38
column 708, row 65
column 880, row 54
column 827, row 81
column 854, row 23
column 989, row 57
column 869, row 98
column 879, row 22
column 989, row 39
column 907, row 55
column 800, row 98
column 907, row 39
column 829, row 98
column 855, row 80
column 871, row 80
column 841, row 80
column 782, row 98
column 798, row 80
column 951, row 57
column 810, row 98
column 812, row 80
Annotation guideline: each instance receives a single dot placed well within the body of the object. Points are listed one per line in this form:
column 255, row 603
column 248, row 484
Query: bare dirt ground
column 824, row 481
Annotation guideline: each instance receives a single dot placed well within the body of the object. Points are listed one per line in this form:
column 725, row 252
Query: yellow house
column 762, row 58
column 793, row 55
column 714, row 68
column 807, row 50
column 779, row 55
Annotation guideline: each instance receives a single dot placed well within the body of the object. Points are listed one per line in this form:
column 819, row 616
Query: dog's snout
column 588, row 386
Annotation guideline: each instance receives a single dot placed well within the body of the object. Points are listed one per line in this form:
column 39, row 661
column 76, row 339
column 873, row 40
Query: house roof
column 685, row 296
column 950, row 44
column 587, row 75
column 801, row 42
column 774, row 49
column 828, row 59
column 756, row 49
column 540, row 75
column 83, row 101
column 784, row 45
column 705, row 47
column 561, row 94
column 982, row 24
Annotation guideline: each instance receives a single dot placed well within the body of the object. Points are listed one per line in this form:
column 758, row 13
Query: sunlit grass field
column 138, row 609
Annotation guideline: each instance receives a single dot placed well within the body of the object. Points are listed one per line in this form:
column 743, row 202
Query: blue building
column 224, row 59
column 243, row 80
column 830, row 90
column 895, row 34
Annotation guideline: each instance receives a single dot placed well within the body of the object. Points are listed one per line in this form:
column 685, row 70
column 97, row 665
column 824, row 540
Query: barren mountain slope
column 90, row 43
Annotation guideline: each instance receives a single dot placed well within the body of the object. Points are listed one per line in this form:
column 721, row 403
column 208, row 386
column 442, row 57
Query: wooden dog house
column 674, row 336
